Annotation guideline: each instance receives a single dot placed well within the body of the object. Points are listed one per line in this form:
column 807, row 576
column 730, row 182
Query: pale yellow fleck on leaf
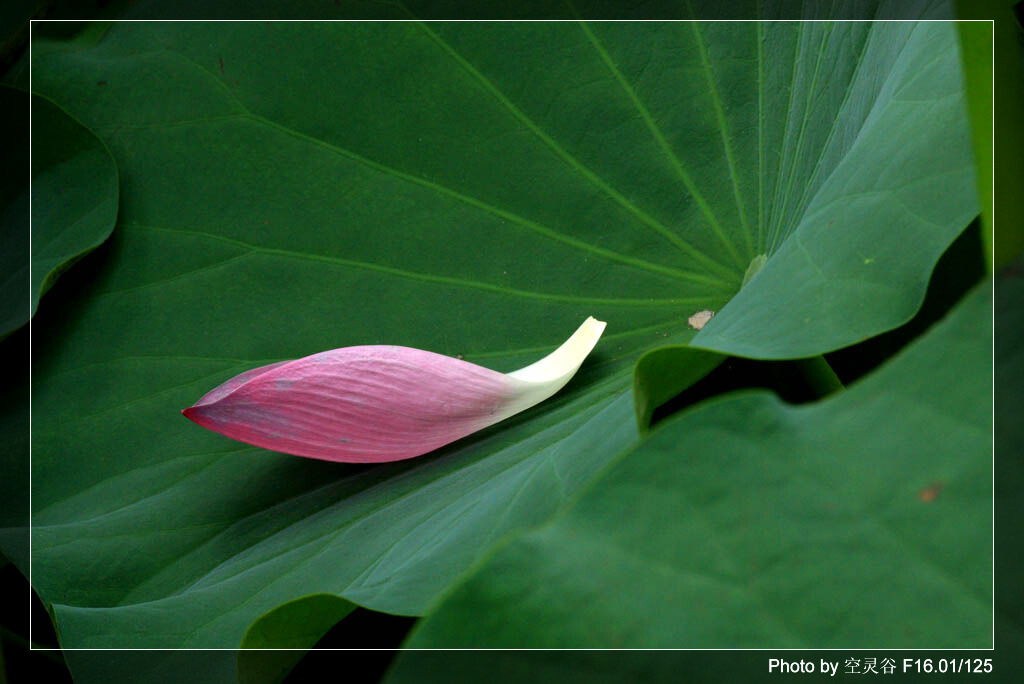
column 700, row 319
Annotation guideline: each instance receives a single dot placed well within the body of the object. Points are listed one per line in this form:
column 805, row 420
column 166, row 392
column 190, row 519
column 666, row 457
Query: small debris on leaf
column 930, row 493
column 698, row 320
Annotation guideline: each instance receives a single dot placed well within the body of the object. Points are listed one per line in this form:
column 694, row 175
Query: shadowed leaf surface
column 295, row 625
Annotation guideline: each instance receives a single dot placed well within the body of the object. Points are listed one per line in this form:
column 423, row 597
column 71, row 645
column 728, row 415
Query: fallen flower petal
column 372, row 404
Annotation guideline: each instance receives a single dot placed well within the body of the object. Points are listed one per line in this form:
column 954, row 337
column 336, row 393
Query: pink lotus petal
column 226, row 388
column 373, row 404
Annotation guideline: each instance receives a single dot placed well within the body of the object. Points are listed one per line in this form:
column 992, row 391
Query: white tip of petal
column 545, row 377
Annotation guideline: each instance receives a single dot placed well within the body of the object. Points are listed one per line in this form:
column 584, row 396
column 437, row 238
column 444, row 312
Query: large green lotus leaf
column 74, row 201
column 74, row 194
column 861, row 521
column 473, row 189
column 842, row 267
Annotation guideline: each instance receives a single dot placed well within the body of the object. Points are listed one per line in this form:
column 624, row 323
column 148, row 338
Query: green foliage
column 663, row 373
column 298, row 624
column 860, row 520
column 74, row 194
column 976, row 46
column 475, row 190
column 993, row 55
column 74, row 201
